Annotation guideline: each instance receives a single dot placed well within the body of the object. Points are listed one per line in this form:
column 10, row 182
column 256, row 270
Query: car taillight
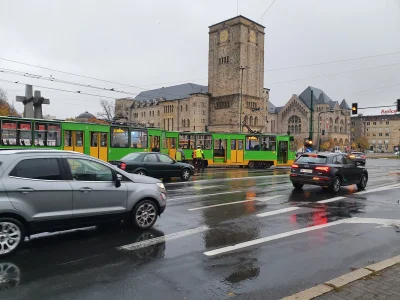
column 123, row 166
column 295, row 166
column 325, row 169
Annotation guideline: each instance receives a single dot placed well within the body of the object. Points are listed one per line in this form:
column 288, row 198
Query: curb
column 339, row 282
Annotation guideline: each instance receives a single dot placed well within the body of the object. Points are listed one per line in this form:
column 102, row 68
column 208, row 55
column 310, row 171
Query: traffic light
column 398, row 105
column 323, row 131
column 354, row 108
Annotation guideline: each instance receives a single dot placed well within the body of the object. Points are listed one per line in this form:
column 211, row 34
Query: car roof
column 29, row 151
column 322, row 153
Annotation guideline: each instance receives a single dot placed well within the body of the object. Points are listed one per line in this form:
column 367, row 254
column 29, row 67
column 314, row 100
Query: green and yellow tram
column 112, row 142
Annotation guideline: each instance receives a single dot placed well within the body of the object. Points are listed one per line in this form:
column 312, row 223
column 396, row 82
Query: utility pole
column 241, row 97
column 310, row 135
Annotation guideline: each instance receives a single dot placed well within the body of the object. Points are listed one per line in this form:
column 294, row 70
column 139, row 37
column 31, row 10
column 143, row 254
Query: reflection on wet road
column 228, row 233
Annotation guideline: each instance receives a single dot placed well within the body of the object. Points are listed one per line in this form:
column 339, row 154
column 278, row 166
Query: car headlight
column 161, row 185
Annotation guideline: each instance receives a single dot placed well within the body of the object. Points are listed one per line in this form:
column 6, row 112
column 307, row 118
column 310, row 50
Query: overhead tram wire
column 266, row 10
column 144, row 89
column 83, row 76
column 40, row 77
column 61, row 90
column 337, row 73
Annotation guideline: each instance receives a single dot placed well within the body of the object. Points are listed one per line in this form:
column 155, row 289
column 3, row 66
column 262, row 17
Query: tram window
column 252, row 143
column 292, row 145
column 79, row 138
column 171, row 143
column 40, row 134
column 186, row 141
column 53, row 134
column 25, row 133
column 204, row 141
column 163, row 141
column 268, row 143
column 154, row 142
column 93, row 139
column 103, row 139
column 219, row 147
column 138, row 139
column 67, row 138
column 9, row 133
column 119, row 137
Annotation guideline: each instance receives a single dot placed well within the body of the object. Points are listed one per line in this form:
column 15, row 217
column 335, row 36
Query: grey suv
column 52, row 190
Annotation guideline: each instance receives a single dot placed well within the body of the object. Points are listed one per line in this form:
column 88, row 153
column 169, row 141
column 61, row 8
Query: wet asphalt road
column 187, row 255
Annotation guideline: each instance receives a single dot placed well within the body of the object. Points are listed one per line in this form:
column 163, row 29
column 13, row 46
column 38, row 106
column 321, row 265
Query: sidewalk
column 379, row 281
column 383, row 285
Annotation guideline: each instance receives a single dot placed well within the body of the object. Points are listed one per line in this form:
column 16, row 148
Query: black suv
column 329, row 170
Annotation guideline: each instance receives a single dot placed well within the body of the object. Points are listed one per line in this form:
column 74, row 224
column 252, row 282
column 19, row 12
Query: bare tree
column 108, row 110
column 6, row 109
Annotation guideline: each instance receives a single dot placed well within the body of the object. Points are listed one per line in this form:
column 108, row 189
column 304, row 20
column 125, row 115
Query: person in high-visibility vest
column 199, row 159
column 194, row 158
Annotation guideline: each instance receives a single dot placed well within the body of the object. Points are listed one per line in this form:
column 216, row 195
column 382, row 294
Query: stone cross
column 32, row 103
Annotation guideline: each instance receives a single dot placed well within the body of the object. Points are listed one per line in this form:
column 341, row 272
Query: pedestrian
column 200, row 159
column 179, row 155
column 194, row 158
column 155, row 149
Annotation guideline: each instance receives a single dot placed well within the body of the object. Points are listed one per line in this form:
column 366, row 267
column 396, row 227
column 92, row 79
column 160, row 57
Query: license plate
column 305, row 171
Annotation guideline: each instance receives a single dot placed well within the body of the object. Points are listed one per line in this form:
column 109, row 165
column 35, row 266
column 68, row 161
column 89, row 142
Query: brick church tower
column 236, row 48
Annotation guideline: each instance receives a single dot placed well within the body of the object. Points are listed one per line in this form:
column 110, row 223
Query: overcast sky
column 155, row 43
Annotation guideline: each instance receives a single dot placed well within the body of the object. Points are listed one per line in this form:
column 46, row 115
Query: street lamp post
column 310, row 134
column 241, row 97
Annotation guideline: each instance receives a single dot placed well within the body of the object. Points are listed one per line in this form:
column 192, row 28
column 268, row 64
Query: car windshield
column 314, row 159
column 132, row 156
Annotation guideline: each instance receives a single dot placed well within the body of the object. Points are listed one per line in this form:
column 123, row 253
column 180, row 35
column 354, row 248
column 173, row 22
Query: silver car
column 52, row 190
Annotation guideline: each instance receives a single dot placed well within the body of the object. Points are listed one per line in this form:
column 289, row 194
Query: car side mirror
column 174, row 161
column 118, row 179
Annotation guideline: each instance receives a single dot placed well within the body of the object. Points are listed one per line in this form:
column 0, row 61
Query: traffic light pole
column 310, row 135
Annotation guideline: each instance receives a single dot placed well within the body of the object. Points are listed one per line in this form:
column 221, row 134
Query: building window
column 294, row 124
column 380, row 134
column 188, row 123
column 387, row 134
column 158, row 113
column 387, row 122
column 374, row 123
column 186, row 107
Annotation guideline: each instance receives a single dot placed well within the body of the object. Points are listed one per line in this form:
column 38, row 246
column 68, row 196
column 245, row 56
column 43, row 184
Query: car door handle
column 25, row 190
column 86, row 189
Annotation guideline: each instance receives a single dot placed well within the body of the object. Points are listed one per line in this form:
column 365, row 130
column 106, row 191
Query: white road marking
column 383, row 222
column 278, row 211
column 221, row 204
column 195, row 187
column 202, row 196
column 267, row 198
column 236, row 202
column 161, row 239
column 228, row 179
column 284, row 210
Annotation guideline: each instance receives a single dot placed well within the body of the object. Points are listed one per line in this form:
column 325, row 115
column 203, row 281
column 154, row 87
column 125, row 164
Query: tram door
column 98, row 145
column 171, row 144
column 237, row 151
column 154, row 142
column 283, row 152
column 74, row 140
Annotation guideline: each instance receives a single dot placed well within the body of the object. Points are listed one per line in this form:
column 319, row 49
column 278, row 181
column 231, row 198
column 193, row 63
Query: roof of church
column 319, row 97
column 344, row 105
column 180, row 91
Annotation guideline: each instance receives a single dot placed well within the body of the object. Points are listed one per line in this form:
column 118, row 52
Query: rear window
column 133, row 157
column 357, row 153
column 314, row 159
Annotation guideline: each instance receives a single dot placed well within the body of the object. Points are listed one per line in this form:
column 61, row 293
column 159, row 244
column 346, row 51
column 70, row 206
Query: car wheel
column 335, row 187
column 141, row 172
column 185, row 174
column 12, row 235
column 297, row 185
column 251, row 165
column 363, row 182
column 145, row 214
